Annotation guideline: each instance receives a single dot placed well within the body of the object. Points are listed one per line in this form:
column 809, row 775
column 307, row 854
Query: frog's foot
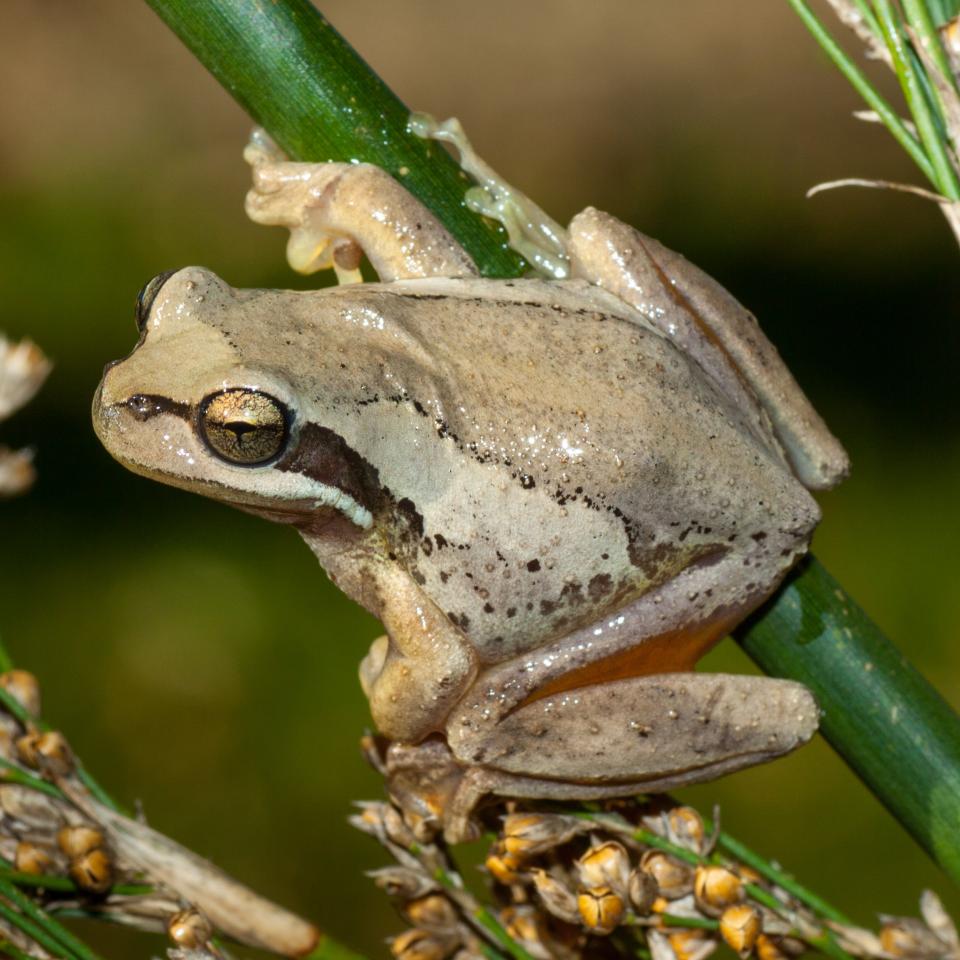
column 708, row 323
column 540, row 240
column 336, row 212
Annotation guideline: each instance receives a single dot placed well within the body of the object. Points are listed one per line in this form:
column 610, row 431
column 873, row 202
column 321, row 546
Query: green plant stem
column 879, row 713
column 291, row 71
column 905, row 67
column 302, row 82
column 54, row 929
column 866, row 89
column 918, row 16
column 774, row 874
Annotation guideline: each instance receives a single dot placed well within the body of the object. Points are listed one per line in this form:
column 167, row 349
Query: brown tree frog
column 555, row 494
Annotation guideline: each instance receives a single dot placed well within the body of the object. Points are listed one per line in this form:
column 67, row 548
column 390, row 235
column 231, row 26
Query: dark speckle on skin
column 533, row 565
column 599, row 586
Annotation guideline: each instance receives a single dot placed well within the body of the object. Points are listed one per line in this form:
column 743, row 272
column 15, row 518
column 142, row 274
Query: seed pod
column 24, row 688
column 419, row 945
column 504, row 867
column 740, row 925
column 29, row 858
column 606, row 865
column 93, row 871
column 686, row 828
column 779, row 948
column 27, row 749
column 433, row 912
column 600, row 909
column 527, row 834
column 557, row 899
column 642, row 889
column 190, row 929
column 674, row 879
column 77, row 841
column 691, row 944
column 53, row 753
column 716, row 888
column 402, row 882
column 527, row 925
column 908, row 937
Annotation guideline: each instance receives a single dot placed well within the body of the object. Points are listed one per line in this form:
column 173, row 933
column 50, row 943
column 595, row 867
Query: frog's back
column 558, row 448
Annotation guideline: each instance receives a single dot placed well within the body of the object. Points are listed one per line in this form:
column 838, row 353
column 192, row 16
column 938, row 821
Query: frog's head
column 203, row 403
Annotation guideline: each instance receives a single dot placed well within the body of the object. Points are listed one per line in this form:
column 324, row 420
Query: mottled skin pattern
column 555, row 497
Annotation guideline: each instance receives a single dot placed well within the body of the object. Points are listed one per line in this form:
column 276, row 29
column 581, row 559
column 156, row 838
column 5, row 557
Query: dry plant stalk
column 84, row 857
column 635, row 878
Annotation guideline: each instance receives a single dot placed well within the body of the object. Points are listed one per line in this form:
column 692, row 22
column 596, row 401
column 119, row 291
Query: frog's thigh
column 413, row 676
column 708, row 323
column 336, row 210
column 647, row 733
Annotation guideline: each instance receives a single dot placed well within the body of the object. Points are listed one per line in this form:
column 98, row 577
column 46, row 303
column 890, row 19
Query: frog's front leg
column 709, row 324
column 413, row 676
column 337, row 211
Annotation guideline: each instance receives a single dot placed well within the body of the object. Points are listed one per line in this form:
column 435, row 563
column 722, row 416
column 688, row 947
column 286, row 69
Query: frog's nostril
column 108, row 366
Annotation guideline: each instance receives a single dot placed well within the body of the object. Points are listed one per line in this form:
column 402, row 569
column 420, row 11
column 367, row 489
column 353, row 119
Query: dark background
column 197, row 657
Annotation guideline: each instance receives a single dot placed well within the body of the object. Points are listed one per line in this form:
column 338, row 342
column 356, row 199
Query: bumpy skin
column 552, row 507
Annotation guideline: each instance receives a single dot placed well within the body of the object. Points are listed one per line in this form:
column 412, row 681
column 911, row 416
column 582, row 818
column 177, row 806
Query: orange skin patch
column 676, row 651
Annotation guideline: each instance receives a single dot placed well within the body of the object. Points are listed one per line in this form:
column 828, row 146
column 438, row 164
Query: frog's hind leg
column 709, row 324
column 637, row 735
column 338, row 211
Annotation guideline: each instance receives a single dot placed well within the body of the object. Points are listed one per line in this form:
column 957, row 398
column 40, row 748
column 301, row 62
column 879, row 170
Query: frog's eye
column 244, row 426
column 146, row 296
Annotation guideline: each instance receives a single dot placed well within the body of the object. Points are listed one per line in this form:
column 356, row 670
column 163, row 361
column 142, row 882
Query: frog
column 556, row 492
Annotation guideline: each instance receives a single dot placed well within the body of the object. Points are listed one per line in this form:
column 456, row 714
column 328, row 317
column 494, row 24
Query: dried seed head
column 600, row 909
column 76, row 841
column 504, row 867
column 907, row 937
column 527, row 834
column 642, row 889
column 24, row 688
column 557, row 899
column 691, row 944
column 525, row 924
column 778, row 948
column 606, row 865
column 402, row 882
column 686, row 828
column 716, row 888
column 420, row 945
column 740, row 925
column 93, row 871
column 674, row 879
column 27, row 749
column 30, row 858
column 190, row 929
column 53, row 753
column 432, row 912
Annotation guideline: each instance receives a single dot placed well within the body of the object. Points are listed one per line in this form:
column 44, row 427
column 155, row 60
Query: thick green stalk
column 300, row 80
column 297, row 77
column 879, row 713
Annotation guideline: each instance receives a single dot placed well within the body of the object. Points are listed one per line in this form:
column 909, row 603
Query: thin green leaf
column 944, row 176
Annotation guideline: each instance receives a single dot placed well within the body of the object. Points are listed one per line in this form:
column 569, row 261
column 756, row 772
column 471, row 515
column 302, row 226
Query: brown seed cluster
column 629, row 877
column 46, row 835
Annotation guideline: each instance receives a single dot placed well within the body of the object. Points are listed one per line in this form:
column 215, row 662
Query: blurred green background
column 197, row 657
